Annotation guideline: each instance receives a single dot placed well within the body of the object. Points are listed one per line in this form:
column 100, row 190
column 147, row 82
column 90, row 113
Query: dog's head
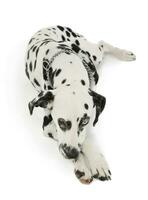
column 71, row 112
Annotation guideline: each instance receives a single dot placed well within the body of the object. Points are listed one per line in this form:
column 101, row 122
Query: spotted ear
column 99, row 102
column 42, row 100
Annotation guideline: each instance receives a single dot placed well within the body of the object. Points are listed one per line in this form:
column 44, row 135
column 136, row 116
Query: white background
column 30, row 164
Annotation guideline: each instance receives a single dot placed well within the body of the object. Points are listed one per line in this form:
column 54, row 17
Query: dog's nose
column 70, row 152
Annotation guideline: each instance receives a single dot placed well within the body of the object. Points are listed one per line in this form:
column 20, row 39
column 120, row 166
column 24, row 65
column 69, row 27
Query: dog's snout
column 69, row 152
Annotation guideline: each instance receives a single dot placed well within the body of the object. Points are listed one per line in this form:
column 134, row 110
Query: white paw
column 82, row 172
column 126, row 55
column 99, row 168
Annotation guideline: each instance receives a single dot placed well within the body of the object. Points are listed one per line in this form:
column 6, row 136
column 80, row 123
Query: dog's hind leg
column 49, row 128
column 117, row 52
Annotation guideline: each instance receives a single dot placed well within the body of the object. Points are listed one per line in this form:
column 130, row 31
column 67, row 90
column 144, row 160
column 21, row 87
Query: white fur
column 69, row 101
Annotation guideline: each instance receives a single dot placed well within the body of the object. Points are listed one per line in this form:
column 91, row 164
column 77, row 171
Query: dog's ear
column 99, row 102
column 42, row 100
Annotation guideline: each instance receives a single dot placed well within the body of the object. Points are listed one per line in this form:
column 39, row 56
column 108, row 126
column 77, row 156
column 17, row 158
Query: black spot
column 96, row 78
column 95, row 58
column 58, row 72
column 46, row 35
column 83, row 82
column 109, row 172
column 102, row 178
column 67, row 33
column 73, row 92
column 63, row 81
column 102, row 46
column 51, row 74
column 79, row 174
column 77, row 42
column 51, row 108
column 34, row 48
column 86, row 106
column 100, row 49
column 45, row 75
column 96, row 175
column 47, row 120
column 37, row 51
column 62, row 124
column 41, row 94
column 63, row 38
column 68, row 39
column 26, row 71
column 28, row 55
column 69, row 125
column 75, row 48
column 68, row 53
column 30, row 66
column 68, row 85
column 78, row 133
column 35, row 64
column 47, row 51
column 49, row 87
column 77, row 119
column 70, row 62
column 61, row 28
column 36, row 82
column 74, row 35
column 88, row 53
column 44, row 87
column 69, row 29
column 31, row 40
column 50, row 135
column 63, row 46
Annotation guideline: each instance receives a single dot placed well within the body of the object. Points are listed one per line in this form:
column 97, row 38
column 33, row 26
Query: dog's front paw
column 126, row 55
column 82, row 172
column 99, row 168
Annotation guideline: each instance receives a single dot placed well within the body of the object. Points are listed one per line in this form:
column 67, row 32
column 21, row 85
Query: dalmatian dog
column 63, row 68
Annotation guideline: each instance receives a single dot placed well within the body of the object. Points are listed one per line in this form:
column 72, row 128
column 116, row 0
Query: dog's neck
column 80, row 69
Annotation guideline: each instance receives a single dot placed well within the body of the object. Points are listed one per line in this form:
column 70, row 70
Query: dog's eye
column 62, row 124
column 85, row 121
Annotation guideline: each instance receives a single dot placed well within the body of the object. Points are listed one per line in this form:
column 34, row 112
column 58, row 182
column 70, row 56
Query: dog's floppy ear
column 99, row 102
column 42, row 100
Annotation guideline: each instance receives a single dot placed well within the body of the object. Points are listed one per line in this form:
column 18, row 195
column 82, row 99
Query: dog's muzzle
column 68, row 152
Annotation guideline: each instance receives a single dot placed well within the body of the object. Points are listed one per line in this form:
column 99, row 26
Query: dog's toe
column 126, row 55
column 86, row 181
column 83, row 177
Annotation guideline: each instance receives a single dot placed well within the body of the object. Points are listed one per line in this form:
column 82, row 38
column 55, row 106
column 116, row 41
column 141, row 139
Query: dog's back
column 46, row 45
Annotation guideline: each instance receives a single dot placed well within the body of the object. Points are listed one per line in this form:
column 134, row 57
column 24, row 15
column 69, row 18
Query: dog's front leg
column 96, row 161
column 82, row 171
column 49, row 128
